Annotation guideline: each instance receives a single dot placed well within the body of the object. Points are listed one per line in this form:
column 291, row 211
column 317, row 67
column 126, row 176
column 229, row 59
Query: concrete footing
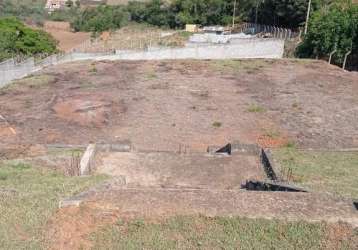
column 88, row 160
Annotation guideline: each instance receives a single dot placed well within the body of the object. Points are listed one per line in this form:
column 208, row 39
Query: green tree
column 100, row 18
column 18, row 39
column 331, row 28
column 69, row 3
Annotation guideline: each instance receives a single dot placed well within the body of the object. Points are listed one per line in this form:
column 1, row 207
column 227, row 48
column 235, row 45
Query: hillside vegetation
column 17, row 39
column 30, row 10
column 333, row 24
column 332, row 28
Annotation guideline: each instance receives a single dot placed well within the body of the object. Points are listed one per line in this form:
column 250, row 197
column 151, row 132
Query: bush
column 32, row 11
column 336, row 27
column 100, row 19
column 18, row 39
column 180, row 12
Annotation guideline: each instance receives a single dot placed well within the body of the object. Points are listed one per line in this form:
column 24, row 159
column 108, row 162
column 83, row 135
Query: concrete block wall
column 240, row 49
column 10, row 70
column 249, row 48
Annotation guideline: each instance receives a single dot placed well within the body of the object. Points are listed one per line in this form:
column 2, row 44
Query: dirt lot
column 67, row 39
column 172, row 170
column 159, row 105
column 173, row 105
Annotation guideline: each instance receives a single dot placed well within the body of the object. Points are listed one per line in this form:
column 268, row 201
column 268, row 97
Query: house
column 52, row 5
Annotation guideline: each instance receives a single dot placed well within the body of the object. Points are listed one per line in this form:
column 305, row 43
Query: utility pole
column 308, row 16
column 257, row 9
column 234, row 14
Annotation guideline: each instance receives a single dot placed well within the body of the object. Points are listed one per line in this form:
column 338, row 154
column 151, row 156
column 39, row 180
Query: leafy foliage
column 177, row 13
column 16, row 38
column 32, row 11
column 334, row 27
column 291, row 13
column 101, row 18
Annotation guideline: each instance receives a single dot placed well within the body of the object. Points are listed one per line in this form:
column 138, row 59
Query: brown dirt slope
column 161, row 104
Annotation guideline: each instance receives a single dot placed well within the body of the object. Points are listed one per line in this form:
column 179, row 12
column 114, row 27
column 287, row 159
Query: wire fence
column 116, row 42
column 268, row 30
column 12, row 69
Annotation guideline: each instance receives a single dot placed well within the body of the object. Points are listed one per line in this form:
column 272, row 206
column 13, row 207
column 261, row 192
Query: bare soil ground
column 166, row 105
column 67, row 39
column 135, row 36
column 160, row 104
column 172, row 170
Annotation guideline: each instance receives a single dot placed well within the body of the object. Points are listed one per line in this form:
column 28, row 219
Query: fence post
column 345, row 59
column 330, row 55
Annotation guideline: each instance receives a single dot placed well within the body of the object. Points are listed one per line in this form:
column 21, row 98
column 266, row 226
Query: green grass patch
column 247, row 66
column 333, row 172
column 28, row 197
column 217, row 124
column 65, row 151
column 151, row 76
column 255, row 109
column 93, row 68
column 184, row 34
column 197, row 232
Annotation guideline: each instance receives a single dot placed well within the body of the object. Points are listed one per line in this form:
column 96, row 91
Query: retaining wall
column 247, row 48
column 241, row 49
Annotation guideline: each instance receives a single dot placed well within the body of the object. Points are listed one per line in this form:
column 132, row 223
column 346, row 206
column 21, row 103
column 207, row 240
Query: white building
column 52, row 5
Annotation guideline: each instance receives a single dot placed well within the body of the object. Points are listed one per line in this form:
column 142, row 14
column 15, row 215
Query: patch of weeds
column 28, row 103
column 273, row 134
column 217, row 124
column 20, row 166
column 136, row 225
column 296, row 106
column 201, row 94
column 184, row 34
column 249, row 66
column 151, row 76
column 199, row 232
column 38, row 191
column 93, row 68
column 33, row 81
column 87, row 85
column 322, row 171
column 255, row 109
column 3, row 176
column 65, row 151
column 290, row 144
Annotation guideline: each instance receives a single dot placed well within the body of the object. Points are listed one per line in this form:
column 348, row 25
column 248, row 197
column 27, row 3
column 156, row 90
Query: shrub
column 18, row 39
column 336, row 27
column 100, row 19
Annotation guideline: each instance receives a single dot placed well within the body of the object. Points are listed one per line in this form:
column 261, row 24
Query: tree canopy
column 100, row 19
column 335, row 27
column 18, row 39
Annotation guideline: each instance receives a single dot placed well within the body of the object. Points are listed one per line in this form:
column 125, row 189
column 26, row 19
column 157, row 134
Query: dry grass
column 138, row 36
column 32, row 81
